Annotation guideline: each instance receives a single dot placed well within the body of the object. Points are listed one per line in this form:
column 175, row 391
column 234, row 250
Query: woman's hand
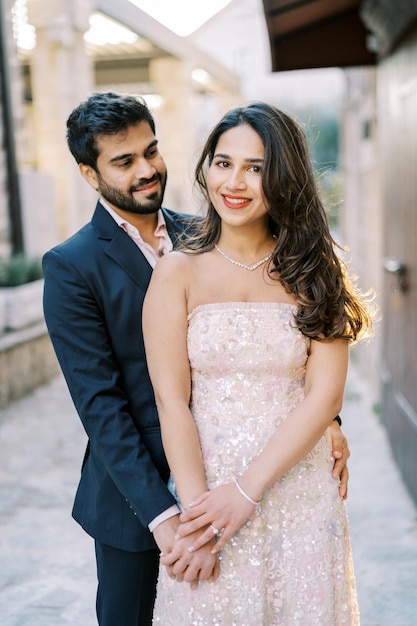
column 221, row 512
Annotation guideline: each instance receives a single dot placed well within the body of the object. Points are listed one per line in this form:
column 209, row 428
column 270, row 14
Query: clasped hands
column 194, row 554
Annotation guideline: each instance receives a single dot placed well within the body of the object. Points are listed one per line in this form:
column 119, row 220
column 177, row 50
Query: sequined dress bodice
column 290, row 564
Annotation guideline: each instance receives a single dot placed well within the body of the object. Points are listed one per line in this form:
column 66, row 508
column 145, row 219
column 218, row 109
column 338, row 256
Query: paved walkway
column 47, row 575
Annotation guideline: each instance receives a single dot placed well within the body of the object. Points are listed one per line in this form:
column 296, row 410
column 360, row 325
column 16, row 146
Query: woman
column 251, row 380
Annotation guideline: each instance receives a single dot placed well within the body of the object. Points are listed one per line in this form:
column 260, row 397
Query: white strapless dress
column 291, row 563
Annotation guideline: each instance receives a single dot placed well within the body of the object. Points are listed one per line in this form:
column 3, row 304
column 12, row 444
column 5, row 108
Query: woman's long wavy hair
column 329, row 304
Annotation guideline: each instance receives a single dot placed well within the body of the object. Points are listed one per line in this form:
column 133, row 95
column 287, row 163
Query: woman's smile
column 235, row 202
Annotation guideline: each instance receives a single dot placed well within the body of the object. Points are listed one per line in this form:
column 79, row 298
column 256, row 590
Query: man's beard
column 127, row 202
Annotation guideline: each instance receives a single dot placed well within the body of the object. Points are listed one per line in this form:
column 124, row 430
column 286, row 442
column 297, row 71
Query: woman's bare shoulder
column 173, row 263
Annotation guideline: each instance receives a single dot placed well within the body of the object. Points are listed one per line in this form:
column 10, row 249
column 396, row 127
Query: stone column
column 171, row 78
column 62, row 76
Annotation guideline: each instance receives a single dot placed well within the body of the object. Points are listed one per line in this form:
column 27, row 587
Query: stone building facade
column 380, row 214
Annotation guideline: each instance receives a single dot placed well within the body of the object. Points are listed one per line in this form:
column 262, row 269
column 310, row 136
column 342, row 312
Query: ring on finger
column 214, row 529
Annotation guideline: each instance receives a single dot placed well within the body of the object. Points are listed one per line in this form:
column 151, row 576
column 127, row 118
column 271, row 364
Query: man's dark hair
column 100, row 115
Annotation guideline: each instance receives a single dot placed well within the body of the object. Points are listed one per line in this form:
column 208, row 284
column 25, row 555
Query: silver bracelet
column 244, row 494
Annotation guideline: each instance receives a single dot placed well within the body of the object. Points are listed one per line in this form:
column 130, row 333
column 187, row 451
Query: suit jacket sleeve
column 78, row 324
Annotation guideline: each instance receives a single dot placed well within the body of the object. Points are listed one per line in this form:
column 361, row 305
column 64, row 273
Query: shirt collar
column 123, row 223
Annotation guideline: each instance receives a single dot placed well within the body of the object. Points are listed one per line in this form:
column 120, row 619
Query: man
column 95, row 283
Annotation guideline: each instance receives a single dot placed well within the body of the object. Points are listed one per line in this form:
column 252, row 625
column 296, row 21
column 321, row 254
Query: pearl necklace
column 250, row 268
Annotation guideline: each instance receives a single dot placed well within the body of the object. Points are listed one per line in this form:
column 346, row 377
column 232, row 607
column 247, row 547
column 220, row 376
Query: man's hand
column 341, row 453
column 182, row 563
column 164, row 533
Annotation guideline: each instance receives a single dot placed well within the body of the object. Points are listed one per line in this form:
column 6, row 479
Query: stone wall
column 361, row 212
column 27, row 358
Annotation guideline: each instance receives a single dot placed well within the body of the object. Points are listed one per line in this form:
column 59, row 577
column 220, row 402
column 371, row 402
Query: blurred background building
column 347, row 69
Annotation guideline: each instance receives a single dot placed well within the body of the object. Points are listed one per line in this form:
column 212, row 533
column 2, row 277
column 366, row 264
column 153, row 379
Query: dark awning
column 306, row 34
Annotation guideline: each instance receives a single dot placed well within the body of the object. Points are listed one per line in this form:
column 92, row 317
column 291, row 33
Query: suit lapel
column 127, row 254
column 121, row 248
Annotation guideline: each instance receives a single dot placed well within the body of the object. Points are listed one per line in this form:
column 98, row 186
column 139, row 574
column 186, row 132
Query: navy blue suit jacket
column 95, row 283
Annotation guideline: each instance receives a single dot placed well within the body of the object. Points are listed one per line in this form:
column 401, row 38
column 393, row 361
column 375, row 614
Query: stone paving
column 47, row 567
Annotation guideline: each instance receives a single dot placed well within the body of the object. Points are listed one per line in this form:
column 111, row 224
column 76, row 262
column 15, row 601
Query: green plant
column 18, row 270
